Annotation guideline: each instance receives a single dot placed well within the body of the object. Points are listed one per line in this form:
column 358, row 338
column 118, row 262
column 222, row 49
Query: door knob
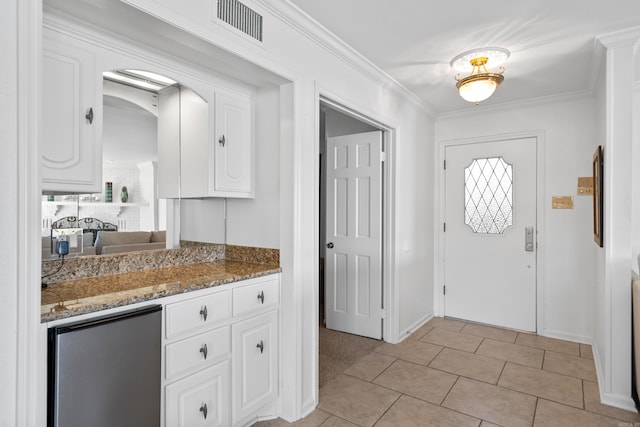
column 330, row 245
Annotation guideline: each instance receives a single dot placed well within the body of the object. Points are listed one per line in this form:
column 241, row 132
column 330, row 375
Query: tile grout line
column 535, row 412
column 387, row 410
column 539, row 369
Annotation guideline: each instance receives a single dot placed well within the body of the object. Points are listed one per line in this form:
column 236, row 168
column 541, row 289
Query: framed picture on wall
column 597, row 196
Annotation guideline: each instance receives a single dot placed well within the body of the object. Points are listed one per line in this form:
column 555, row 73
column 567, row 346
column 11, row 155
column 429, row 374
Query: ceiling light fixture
column 480, row 83
column 140, row 79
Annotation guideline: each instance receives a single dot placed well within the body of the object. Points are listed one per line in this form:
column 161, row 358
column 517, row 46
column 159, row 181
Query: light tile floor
column 455, row 373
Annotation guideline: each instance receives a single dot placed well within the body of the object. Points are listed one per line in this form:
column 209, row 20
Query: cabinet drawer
column 197, row 352
column 263, row 295
column 200, row 400
column 197, row 313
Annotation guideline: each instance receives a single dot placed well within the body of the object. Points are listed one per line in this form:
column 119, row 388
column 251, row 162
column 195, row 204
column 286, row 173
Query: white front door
column 490, row 233
column 353, row 270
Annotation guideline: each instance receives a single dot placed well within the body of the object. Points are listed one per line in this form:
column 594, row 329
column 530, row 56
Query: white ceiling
column 551, row 42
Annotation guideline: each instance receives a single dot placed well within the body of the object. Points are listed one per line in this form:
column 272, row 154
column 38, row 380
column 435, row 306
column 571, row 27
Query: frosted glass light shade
column 477, row 90
column 481, row 81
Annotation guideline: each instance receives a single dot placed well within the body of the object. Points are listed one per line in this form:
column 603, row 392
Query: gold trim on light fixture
column 480, row 83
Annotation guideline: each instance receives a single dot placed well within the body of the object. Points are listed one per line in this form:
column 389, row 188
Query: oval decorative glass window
column 488, row 195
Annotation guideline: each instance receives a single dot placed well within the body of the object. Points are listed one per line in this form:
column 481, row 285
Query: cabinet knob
column 261, row 297
column 260, row 346
column 204, row 410
column 203, row 312
column 89, row 115
column 222, row 141
column 204, row 351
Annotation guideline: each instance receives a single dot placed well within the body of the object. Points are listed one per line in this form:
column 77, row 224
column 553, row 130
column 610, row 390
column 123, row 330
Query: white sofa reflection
column 101, row 238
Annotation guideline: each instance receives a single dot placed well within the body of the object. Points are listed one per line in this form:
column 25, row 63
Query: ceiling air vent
column 241, row 17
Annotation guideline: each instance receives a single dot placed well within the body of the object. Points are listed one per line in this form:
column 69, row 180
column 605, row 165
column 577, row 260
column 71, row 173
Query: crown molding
column 523, row 103
column 620, row 38
column 598, row 61
column 303, row 23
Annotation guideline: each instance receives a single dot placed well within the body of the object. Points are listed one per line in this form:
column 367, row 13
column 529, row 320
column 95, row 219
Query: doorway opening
column 351, row 263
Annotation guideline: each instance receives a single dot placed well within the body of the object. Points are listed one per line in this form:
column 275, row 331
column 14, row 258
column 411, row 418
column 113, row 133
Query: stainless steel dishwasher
column 106, row 371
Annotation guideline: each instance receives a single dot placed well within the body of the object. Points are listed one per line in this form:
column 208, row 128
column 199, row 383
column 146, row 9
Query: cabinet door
column 255, row 364
column 200, row 400
column 70, row 143
column 168, row 176
column 234, row 147
column 195, row 141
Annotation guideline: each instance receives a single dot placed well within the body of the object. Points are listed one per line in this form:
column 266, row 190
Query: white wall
column 613, row 306
column 601, row 324
column 10, row 172
column 338, row 124
column 635, row 177
column 256, row 222
column 570, row 138
column 129, row 134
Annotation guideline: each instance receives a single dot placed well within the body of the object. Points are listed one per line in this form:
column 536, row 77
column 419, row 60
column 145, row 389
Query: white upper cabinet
column 168, row 176
column 70, row 141
column 234, row 147
column 213, row 131
column 196, row 138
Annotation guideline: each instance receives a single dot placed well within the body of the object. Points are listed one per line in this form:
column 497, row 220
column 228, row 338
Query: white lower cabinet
column 255, row 364
column 221, row 354
column 199, row 400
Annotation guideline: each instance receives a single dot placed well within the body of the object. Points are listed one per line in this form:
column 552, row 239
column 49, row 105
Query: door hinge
column 444, row 290
column 383, row 313
column 444, row 164
column 444, row 227
column 383, row 157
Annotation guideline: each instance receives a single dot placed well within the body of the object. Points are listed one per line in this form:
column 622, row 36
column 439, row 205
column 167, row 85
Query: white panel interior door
column 490, row 205
column 353, row 279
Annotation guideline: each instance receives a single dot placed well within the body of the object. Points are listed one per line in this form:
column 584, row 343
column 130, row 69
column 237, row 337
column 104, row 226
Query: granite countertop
column 74, row 297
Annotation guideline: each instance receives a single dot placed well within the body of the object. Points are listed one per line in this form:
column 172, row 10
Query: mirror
column 135, row 128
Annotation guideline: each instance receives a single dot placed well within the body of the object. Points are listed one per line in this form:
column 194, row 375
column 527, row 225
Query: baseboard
column 611, row 399
column 414, row 327
column 618, row 401
column 308, row 408
column 582, row 339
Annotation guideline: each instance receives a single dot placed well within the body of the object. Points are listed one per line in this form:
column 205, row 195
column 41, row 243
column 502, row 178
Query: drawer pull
column 261, row 297
column 89, row 116
column 204, row 410
column 203, row 313
column 260, row 346
column 204, row 352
